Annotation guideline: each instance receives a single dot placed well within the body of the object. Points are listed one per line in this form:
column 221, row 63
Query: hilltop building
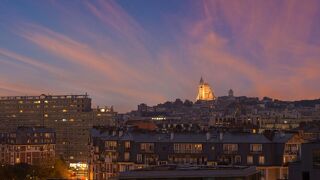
column 205, row 93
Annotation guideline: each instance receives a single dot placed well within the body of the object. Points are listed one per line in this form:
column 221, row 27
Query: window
column 228, row 148
column 249, row 159
column 316, row 158
column 291, row 149
column 187, row 148
column 255, row 147
column 126, row 156
column 139, row 158
column 111, row 145
column 147, row 147
column 127, row 144
column 261, row 159
column 237, row 159
column 305, row 175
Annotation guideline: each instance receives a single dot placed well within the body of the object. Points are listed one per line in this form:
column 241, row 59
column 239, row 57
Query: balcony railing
column 230, row 151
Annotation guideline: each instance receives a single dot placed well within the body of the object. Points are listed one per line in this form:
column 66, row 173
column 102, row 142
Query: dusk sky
column 126, row 52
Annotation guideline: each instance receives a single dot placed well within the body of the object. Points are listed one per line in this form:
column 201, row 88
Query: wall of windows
column 111, row 145
column 230, row 148
column 256, row 147
column 187, row 148
column 147, row 147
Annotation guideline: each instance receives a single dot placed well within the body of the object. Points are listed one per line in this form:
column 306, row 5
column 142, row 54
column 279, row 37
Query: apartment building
column 31, row 145
column 119, row 151
column 71, row 116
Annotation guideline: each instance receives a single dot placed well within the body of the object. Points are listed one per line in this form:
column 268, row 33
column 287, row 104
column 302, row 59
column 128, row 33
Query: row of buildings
column 230, row 111
column 210, row 133
column 113, row 151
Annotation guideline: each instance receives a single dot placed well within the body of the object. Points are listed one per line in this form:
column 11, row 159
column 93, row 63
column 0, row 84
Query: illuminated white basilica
column 205, row 93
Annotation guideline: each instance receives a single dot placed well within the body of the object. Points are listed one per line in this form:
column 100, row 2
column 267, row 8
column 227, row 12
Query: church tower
column 204, row 92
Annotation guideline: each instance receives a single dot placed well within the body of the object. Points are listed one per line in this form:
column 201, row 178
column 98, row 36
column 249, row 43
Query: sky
column 126, row 52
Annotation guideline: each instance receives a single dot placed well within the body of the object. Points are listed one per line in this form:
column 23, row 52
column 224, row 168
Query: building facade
column 31, row 145
column 70, row 115
column 307, row 167
column 114, row 152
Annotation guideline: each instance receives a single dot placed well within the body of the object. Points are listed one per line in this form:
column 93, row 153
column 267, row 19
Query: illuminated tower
column 204, row 92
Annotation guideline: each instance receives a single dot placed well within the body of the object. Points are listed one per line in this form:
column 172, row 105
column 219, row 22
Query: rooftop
column 191, row 137
column 44, row 96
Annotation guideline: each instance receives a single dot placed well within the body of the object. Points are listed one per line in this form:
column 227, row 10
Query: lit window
column 46, row 101
column 228, row 148
column 127, row 144
column 64, row 110
column 249, row 159
column 45, row 115
column 237, row 159
column 147, row 147
column 21, row 111
column 139, row 158
column 126, row 156
column 254, row 131
column 187, row 148
column 261, row 159
column 111, row 145
column 255, row 147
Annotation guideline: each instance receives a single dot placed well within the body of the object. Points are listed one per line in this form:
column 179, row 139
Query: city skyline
column 123, row 53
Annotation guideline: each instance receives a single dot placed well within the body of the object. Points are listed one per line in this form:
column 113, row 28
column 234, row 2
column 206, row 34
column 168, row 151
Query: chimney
column 171, row 135
column 208, row 136
column 221, row 136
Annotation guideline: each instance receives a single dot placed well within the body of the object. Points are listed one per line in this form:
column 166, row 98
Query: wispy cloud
column 257, row 48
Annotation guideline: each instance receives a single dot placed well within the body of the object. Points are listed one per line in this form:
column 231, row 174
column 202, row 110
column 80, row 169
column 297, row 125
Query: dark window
column 305, row 175
column 316, row 158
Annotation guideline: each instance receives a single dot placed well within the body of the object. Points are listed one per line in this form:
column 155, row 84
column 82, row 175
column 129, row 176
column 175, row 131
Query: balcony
column 255, row 152
column 291, row 152
column 230, row 151
column 111, row 148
